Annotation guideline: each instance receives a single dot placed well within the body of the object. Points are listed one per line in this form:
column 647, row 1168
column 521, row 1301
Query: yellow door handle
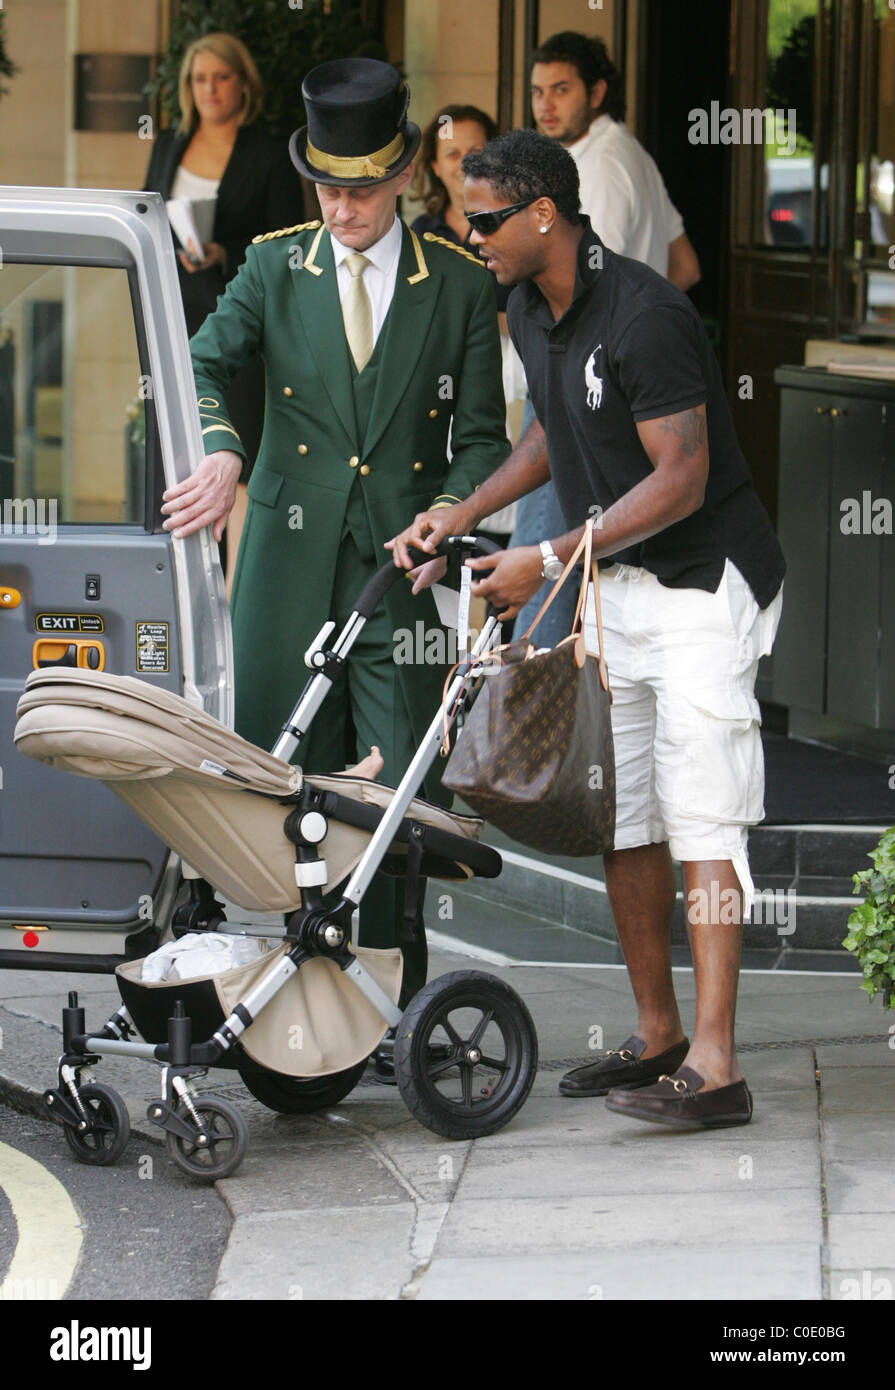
column 85, row 652
column 9, row 598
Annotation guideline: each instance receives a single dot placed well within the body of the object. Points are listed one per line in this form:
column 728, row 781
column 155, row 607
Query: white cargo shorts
column 685, row 720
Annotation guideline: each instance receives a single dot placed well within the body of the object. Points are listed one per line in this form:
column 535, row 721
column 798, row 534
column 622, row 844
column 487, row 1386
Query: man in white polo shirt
column 578, row 98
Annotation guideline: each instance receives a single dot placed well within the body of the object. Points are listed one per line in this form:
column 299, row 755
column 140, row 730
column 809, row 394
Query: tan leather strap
column 561, row 580
column 591, row 572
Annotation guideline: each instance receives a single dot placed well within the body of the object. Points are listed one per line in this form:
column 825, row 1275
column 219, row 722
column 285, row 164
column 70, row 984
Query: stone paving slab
column 860, row 1187
column 331, row 1253
column 849, row 1285
column 860, row 1239
column 778, row 1272
column 610, row 1221
column 674, row 1169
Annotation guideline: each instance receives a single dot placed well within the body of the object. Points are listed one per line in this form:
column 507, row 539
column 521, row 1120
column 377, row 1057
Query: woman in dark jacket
column 216, row 152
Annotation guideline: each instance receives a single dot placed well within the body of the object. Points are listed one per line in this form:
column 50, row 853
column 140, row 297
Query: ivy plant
column 871, row 926
column 285, row 39
column 7, row 66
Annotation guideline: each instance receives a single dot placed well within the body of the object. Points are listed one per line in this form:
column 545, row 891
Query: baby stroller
column 299, row 1023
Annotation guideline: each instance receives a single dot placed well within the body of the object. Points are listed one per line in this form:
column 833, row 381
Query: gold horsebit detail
column 625, row 1053
column 679, row 1084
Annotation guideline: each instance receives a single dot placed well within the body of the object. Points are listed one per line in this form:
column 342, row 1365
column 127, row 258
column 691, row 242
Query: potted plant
column 7, row 66
column 285, row 40
column 871, row 926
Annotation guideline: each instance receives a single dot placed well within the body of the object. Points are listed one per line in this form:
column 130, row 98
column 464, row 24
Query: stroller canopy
column 215, row 799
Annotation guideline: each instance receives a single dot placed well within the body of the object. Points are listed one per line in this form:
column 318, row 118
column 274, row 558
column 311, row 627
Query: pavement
column 569, row 1201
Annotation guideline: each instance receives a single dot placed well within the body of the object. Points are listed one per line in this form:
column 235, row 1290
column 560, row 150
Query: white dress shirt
column 623, row 194
column 378, row 277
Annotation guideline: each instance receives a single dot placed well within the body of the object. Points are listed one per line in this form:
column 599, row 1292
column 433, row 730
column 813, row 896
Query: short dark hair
column 523, row 164
column 591, row 57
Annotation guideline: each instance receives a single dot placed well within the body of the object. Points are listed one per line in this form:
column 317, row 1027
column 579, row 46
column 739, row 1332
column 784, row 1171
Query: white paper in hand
column 192, row 224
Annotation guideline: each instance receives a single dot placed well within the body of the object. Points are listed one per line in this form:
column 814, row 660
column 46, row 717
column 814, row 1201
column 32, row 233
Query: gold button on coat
column 432, row 414
column 354, row 460
column 417, row 467
column 302, row 448
column 364, row 468
column 287, row 390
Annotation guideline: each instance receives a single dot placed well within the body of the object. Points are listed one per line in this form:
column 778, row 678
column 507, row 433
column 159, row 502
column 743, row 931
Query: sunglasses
column 487, row 223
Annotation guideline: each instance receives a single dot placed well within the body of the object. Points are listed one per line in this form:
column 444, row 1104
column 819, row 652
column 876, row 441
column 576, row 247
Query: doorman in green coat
column 363, row 387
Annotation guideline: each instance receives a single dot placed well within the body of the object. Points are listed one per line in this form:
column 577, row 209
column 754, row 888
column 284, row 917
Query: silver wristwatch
column 552, row 566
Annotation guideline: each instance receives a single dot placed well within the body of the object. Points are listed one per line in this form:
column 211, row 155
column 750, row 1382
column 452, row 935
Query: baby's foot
column 370, row 766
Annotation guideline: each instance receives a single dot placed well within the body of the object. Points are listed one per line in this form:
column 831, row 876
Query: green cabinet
column 835, row 650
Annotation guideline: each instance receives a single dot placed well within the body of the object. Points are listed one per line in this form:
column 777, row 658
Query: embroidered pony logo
column 593, row 382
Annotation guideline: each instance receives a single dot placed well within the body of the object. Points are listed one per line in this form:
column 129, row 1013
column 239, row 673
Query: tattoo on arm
column 533, row 448
column 689, row 427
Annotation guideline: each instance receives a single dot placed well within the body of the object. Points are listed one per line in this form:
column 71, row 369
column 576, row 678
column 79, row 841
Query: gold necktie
column 357, row 313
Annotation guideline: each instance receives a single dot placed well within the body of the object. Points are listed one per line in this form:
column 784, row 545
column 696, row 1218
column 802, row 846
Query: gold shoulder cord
column 452, row 246
column 286, row 231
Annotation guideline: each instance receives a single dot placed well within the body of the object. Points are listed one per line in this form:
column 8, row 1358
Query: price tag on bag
column 463, row 610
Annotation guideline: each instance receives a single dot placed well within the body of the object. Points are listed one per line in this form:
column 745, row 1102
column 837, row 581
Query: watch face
column 553, row 569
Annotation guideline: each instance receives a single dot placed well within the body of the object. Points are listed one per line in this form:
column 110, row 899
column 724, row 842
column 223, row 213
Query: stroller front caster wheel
column 218, row 1148
column 466, row 1053
column 107, row 1130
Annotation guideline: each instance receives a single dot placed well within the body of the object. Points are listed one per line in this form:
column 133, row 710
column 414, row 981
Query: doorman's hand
column 205, row 498
column 428, row 529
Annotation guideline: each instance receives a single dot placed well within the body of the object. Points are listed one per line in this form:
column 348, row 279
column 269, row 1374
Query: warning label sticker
column 68, row 622
column 152, row 647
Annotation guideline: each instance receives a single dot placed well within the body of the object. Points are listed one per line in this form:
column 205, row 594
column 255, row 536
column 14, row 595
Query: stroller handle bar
column 384, row 578
column 325, row 662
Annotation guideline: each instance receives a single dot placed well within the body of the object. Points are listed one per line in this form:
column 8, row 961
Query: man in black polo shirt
column 631, row 411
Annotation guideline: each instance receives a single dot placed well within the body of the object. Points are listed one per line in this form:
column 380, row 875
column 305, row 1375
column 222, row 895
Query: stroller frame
column 206, row 1135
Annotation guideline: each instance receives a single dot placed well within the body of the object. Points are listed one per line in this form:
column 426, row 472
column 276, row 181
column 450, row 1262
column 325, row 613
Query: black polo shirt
column 632, row 347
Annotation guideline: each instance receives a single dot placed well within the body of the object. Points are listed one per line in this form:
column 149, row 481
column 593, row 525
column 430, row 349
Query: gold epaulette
column 452, row 245
column 285, row 231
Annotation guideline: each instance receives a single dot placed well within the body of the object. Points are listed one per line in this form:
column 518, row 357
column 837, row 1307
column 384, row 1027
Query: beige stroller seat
column 214, row 798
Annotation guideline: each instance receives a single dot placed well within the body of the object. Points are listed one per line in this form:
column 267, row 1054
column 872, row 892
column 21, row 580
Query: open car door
column 97, row 417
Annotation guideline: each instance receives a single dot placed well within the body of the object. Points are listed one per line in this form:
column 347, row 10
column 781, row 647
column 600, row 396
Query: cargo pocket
column 722, row 775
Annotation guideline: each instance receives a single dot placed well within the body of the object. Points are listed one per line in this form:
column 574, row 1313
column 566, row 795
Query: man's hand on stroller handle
column 205, row 498
column 427, row 531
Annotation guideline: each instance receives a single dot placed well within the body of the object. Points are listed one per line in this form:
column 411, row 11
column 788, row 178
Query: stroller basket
column 318, row 1008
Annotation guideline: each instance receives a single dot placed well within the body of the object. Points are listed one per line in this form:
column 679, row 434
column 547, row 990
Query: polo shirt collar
column 587, row 270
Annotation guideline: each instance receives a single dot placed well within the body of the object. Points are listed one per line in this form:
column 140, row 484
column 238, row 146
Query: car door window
column 72, row 398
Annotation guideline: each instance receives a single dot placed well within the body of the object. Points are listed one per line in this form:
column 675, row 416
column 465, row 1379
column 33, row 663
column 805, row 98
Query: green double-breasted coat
column 325, row 479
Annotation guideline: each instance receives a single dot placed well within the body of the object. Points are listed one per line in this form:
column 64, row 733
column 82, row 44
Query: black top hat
column 358, row 131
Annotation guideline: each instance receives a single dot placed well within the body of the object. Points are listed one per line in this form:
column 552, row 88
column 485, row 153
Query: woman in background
column 217, row 153
column 438, row 184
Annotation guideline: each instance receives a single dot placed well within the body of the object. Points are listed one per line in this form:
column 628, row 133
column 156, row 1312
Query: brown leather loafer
column 680, row 1101
column 620, row 1068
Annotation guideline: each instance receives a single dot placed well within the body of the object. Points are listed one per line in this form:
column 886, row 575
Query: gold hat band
column 365, row 166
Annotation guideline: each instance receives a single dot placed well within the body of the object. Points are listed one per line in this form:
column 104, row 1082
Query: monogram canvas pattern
column 535, row 757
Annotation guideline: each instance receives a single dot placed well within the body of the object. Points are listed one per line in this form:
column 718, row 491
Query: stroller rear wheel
column 109, row 1127
column 492, row 1054
column 225, row 1139
column 299, row 1095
